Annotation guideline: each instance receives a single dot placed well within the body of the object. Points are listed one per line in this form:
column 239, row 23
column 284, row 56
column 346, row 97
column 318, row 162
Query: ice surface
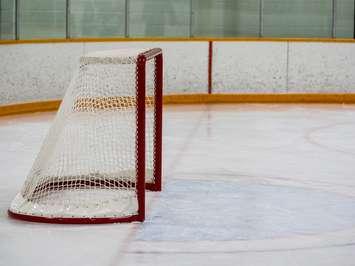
column 243, row 185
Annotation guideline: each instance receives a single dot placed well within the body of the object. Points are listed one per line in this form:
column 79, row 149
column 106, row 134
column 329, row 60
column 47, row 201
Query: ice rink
column 247, row 184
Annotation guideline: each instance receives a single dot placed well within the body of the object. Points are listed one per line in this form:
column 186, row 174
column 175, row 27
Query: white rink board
column 42, row 71
column 322, row 67
column 31, row 72
column 249, row 67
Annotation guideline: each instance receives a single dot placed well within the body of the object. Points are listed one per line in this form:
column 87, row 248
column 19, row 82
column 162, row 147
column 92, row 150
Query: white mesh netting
column 86, row 167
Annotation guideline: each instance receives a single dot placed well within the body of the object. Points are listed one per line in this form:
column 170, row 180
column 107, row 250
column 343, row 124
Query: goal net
column 104, row 147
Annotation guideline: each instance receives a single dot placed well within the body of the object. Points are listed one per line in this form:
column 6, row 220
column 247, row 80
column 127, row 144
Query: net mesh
column 87, row 164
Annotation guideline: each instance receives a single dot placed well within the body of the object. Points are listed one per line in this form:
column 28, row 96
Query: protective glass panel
column 97, row 18
column 229, row 18
column 42, row 19
column 7, row 19
column 301, row 18
column 344, row 19
column 159, row 18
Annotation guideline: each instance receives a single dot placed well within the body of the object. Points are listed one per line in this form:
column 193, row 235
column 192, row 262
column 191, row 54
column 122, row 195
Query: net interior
column 87, row 164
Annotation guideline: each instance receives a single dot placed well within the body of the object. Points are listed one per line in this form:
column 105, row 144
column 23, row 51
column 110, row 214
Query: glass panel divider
column 16, row 27
column 67, row 19
column 261, row 18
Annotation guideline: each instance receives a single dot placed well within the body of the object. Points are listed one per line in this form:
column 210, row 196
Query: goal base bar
column 56, row 220
column 153, row 186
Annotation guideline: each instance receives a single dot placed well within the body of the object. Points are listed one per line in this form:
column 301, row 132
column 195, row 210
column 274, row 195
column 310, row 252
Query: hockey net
column 104, row 146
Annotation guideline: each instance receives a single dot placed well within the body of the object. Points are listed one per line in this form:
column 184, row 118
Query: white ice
column 243, row 185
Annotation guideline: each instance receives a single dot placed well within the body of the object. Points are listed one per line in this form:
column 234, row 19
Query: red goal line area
column 52, row 105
